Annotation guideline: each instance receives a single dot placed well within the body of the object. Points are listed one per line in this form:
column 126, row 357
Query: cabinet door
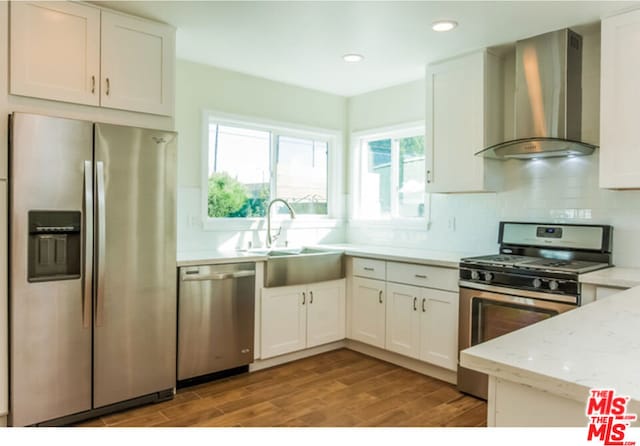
column 368, row 311
column 439, row 328
column 403, row 319
column 55, row 51
column 325, row 313
column 284, row 320
column 137, row 64
column 462, row 117
column 619, row 99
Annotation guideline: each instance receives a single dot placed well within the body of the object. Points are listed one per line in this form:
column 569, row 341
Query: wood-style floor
column 335, row 389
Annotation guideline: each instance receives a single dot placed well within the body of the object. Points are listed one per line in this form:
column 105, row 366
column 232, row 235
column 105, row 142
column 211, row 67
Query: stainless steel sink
column 295, row 266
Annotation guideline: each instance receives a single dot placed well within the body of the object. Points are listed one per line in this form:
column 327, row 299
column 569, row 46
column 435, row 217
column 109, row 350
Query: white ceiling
column 302, row 43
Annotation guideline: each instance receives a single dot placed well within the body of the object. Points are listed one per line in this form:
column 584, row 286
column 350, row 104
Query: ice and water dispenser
column 54, row 245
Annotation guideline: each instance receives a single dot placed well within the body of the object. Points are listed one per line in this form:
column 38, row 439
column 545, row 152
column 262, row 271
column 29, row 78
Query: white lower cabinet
column 368, row 311
column 412, row 312
column 298, row 317
column 423, row 323
column 439, row 328
column 403, row 319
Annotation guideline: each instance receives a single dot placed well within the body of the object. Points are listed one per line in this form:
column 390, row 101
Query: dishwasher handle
column 195, row 276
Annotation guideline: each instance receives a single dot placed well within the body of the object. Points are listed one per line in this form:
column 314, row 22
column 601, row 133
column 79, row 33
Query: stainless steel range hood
column 548, row 99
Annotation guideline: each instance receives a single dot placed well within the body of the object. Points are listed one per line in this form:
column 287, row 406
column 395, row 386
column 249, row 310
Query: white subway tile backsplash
column 561, row 190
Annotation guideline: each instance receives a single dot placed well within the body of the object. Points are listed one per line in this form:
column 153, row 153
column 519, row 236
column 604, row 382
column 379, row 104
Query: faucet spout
column 292, row 213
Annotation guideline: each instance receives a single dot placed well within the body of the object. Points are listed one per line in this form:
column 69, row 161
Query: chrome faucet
column 270, row 240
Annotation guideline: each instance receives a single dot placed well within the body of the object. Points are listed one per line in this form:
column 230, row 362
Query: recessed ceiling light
column 353, row 58
column 444, row 25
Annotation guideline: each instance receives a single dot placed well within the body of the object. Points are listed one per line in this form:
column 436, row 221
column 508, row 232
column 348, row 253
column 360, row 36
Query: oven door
column 490, row 312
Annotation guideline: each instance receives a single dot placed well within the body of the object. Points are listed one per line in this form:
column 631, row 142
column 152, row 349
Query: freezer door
column 50, row 328
column 135, row 271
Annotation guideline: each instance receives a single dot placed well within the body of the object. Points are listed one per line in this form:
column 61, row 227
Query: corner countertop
column 594, row 346
column 444, row 259
column 196, row 258
column 615, row 277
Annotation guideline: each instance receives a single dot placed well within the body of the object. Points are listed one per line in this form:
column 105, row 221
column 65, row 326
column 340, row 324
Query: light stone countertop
column 615, row 277
column 446, row 259
column 594, row 346
column 425, row 257
column 196, row 258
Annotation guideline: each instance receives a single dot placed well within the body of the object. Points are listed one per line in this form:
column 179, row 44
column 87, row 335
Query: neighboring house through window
column 249, row 163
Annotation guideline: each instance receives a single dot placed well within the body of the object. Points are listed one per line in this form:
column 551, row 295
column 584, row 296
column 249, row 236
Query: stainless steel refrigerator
column 92, row 268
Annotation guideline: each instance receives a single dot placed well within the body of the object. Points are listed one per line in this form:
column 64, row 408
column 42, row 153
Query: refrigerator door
column 51, row 159
column 135, row 272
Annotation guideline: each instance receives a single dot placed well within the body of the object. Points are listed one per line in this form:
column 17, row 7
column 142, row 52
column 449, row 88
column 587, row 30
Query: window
column 391, row 174
column 249, row 164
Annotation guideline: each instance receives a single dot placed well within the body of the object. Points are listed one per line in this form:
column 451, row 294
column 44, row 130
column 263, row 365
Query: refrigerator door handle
column 101, row 226
column 88, row 244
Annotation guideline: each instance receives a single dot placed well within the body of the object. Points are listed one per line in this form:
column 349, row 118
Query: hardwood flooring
column 342, row 388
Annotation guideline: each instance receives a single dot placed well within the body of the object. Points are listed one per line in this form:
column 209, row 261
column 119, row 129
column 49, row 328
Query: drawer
column 422, row 275
column 373, row 269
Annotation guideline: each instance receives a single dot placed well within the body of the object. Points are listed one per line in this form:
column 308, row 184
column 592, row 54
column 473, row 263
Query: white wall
column 200, row 87
column 556, row 190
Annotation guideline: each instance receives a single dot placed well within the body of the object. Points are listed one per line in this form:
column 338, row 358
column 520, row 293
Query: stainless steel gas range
column 534, row 276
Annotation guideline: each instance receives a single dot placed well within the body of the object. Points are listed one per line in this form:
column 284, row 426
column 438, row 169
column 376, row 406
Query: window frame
column 358, row 140
column 276, row 129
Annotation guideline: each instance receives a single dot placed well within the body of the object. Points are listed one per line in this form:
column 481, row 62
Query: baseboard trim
column 384, row 355
column 283, row 359
column 404, row 361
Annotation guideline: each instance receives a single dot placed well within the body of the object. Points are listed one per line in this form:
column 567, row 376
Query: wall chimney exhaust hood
column 548, row 99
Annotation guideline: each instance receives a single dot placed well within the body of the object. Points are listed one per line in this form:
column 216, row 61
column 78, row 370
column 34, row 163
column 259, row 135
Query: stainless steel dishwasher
column 216, row 306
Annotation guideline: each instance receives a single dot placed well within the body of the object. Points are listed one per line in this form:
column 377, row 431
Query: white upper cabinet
column 55, row 51
column 619, row 99
column 71, row 52
column 463, row 116
column 137, row 64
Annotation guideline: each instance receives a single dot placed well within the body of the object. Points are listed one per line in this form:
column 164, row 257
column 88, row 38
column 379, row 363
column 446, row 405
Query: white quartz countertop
column 217, row 257
column 594, row 346
column 421, row 256
column 447, row 259
column 614, row 277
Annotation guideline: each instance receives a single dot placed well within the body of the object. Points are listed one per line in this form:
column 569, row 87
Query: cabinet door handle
column 310, row 297
column 421, row 276
column 424, row 301
column 368, row 268
column 93, row 84
column 304, row 297
column 415, row 301
column 380, row 296
column 108, row 87
column 428, row 176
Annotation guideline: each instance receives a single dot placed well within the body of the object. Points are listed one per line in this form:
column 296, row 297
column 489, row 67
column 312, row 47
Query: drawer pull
column 368, row 268
column 304, row 297
column 421, row 276
column 424, row 301
column 415, row 301
column 380, row 296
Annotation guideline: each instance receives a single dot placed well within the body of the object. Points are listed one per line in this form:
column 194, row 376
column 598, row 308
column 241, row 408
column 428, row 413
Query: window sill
column 398, row 223
column 260, row 224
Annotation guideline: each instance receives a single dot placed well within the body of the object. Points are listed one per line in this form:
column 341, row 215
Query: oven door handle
column 520, row 300
column 512, row 292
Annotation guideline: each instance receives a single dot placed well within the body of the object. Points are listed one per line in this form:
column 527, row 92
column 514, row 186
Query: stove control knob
column 475, row 275
column 553, row 285
column 537, row 283
column 488, row 277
